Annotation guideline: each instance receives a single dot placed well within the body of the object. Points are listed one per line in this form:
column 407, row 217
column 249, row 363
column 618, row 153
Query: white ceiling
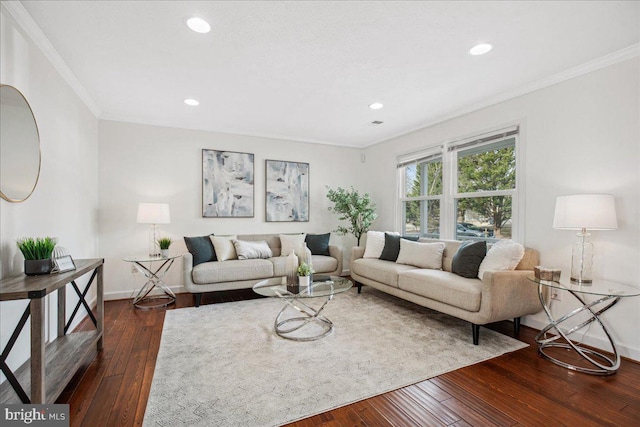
column 308, row 70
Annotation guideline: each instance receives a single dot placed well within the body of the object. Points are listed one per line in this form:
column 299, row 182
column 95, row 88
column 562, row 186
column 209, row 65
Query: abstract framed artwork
column 287, row 191
column 227, row 184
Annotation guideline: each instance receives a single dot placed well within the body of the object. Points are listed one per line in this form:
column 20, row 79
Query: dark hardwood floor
column 516, row 389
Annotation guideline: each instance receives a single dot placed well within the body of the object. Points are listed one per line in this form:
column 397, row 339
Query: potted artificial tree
column 358, row 209
column 164, row 244
column 37, row 254
column 304, row 274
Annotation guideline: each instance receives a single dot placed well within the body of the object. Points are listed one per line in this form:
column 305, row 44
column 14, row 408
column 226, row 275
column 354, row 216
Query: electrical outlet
column 134, row 270
column 556, row 295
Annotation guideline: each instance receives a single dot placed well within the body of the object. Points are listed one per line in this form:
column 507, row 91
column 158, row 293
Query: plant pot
column 303, row 280
column 34, row 267
column 164, row 253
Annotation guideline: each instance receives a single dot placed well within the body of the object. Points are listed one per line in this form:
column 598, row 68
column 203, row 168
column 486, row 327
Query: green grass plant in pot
column 304, row 274
column 164, row 244
column 37, row 254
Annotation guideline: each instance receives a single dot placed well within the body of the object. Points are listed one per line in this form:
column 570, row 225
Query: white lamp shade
column 588, row 211
column 153, row 213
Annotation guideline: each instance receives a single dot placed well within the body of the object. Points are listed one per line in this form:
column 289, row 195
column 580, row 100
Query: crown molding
column 33, row 30
column 588, row 67
column 176, row 125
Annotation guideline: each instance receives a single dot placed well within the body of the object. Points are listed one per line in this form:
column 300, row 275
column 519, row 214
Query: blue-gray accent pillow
column 201, row 248
column 467, row 259
column 318, row 244
column 392, row 246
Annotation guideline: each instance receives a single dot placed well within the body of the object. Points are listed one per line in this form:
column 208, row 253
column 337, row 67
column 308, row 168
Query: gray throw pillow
column 468, row 258
column 252, row 250
column 318, row 244
column 392, row 246
column 201, row 248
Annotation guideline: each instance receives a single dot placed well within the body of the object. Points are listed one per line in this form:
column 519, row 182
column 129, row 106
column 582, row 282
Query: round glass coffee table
column 309, row 324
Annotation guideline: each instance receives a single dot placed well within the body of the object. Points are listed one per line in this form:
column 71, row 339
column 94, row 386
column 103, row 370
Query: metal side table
column 604, row 295
column 143, row 299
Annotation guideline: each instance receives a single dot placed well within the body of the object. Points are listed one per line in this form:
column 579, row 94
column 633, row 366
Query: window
column 471, row 195
column 422, row 196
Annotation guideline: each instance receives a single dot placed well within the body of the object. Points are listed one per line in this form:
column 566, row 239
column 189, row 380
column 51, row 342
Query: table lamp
column 154, row 214
column 584, row 212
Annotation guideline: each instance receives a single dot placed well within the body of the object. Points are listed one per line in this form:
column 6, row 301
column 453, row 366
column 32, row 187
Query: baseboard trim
column 110, row 296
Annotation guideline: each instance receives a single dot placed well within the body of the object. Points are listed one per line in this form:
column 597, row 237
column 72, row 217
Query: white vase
column 304, row 281
column 164, row 253
column 292, row 269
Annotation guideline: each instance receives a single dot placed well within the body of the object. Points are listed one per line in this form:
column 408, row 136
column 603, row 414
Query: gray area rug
column 223, row 365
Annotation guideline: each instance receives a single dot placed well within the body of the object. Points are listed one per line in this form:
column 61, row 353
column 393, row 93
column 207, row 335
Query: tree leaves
column 350, row 206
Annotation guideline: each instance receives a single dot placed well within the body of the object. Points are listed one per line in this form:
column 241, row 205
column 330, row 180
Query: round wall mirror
column 19, row 146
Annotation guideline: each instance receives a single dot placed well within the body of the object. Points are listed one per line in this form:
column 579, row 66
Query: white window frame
column 449, row 152
column 422, row 159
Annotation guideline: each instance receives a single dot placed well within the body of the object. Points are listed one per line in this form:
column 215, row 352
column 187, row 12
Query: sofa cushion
column 450, row 248
column 291, row 242
column 224, row 247
column 504, row 255
column 323, row 264
column 318, row 244
column 232, row 270
column 443, row 286
column 279, row 266
column 392, row 246
column 467, row 259
column 423, row 255
column 201, row 248
column 379, row 270
column 375, row 244
column 252, row 250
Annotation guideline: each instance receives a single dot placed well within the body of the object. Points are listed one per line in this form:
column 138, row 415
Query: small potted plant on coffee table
column 304, row 274
column 37, row 254
column 164, row 244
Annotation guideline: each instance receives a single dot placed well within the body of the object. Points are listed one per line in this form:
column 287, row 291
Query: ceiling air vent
column 377, row 122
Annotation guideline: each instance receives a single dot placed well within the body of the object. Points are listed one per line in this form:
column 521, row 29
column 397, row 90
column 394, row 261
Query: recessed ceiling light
column 192, row 102
column 480, row 49
column 376, row 106
column 198, row 25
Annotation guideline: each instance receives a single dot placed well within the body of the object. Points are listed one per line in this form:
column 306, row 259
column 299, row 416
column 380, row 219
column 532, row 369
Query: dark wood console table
column 51, row 365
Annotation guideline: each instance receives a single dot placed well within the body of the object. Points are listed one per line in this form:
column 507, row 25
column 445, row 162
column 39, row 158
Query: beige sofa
column 500, row 295
column 242, row 274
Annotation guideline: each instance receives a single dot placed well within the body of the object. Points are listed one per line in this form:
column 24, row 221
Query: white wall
column 65, row 201
column 141, row 163
column 581, row 136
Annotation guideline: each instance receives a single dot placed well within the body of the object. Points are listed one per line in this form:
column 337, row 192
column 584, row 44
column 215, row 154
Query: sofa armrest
column 187, row 268
column 336, row 252
column 509, row 294
column 357, row 252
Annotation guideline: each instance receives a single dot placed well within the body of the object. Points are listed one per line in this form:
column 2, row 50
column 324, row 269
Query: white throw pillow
column 291, row 242
column 504, row 255
column 423, row 255
column 252, row 250
column 375, row 244
column 224, row 248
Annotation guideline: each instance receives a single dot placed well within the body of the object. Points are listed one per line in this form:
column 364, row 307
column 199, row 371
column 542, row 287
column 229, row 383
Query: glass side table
column 154, row 278
column 605, row 295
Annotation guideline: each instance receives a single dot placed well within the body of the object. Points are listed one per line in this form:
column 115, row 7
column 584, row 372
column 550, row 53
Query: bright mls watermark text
column 34, row 415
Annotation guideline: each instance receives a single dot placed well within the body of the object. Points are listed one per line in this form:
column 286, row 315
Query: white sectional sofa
column 244, row 273
column 500, row 295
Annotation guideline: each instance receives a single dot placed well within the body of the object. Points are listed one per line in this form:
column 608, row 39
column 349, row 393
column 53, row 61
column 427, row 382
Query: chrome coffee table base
column 311, row 317
column 602, row 364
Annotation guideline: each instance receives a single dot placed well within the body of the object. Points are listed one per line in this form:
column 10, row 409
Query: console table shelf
column 52, row 365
